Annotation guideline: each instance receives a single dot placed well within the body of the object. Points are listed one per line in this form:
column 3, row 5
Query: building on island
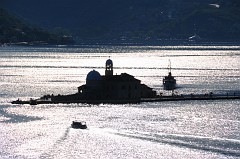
column 109, row 88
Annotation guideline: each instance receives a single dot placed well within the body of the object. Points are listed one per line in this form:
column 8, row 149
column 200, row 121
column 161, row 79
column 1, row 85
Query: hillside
column 212, row 20
column 15, row 31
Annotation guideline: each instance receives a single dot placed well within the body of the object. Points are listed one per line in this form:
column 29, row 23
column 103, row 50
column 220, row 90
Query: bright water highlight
column 181, row 129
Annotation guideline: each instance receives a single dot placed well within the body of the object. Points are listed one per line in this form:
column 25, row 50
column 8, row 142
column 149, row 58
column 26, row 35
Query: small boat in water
column 169, row 82
column 79, row 125
column 33, row 102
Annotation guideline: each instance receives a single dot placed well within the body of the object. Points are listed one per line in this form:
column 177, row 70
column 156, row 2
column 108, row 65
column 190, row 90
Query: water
column 167, row 130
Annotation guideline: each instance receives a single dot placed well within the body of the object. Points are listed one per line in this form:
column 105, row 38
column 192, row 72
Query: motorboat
column 79, row 125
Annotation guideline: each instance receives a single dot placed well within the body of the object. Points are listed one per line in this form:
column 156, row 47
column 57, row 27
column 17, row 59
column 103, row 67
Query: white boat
column 195, row 37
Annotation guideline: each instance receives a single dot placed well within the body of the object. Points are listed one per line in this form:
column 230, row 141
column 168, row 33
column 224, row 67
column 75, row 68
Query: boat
column 169, row 82
column 195, row 37
column 79, row 125
column 33, row 102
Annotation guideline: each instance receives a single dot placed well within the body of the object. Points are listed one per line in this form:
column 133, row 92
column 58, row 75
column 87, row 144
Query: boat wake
column 227, row 147
column 57, row 144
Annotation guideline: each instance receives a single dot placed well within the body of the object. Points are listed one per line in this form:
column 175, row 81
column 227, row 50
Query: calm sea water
column 167, row 130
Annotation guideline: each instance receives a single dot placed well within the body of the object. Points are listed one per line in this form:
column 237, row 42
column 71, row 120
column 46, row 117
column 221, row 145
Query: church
column 109, row 88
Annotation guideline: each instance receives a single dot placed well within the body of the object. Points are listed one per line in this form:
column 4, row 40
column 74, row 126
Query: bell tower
column 109, row 68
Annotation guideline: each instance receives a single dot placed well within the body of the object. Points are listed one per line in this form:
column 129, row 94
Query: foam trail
column 227, row 147
column 57, row 144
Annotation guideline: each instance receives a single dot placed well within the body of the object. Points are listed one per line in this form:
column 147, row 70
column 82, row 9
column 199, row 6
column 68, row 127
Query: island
column 118, row 89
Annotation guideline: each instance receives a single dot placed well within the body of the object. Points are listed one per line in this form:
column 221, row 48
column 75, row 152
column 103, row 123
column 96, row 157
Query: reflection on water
column 186, row 129
column 14, row 118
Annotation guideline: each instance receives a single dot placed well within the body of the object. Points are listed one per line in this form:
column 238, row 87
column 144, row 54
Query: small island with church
column 108, row 88
column 118, row 89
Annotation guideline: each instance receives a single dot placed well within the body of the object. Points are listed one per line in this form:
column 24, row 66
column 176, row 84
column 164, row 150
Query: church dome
column 109, row 62
column 93, row 76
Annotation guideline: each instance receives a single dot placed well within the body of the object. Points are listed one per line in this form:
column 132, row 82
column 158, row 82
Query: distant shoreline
column 180, row 42
column 130, row 43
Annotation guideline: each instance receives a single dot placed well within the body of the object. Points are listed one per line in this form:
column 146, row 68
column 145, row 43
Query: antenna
column 169, row 66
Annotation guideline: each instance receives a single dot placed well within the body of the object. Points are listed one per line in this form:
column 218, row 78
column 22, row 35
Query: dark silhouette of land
column 15, row 31
column 133, row 20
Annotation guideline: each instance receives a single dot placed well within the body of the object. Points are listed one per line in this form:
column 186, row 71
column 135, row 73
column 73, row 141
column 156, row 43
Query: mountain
column 211, row 20
column 14, row 30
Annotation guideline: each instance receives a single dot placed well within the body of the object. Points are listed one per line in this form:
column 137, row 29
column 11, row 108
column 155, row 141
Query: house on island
column 109, row 88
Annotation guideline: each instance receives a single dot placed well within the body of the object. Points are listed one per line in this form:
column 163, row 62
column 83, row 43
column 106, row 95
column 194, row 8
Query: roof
column 93, row 75
column 109, row 62
column 121, row 77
